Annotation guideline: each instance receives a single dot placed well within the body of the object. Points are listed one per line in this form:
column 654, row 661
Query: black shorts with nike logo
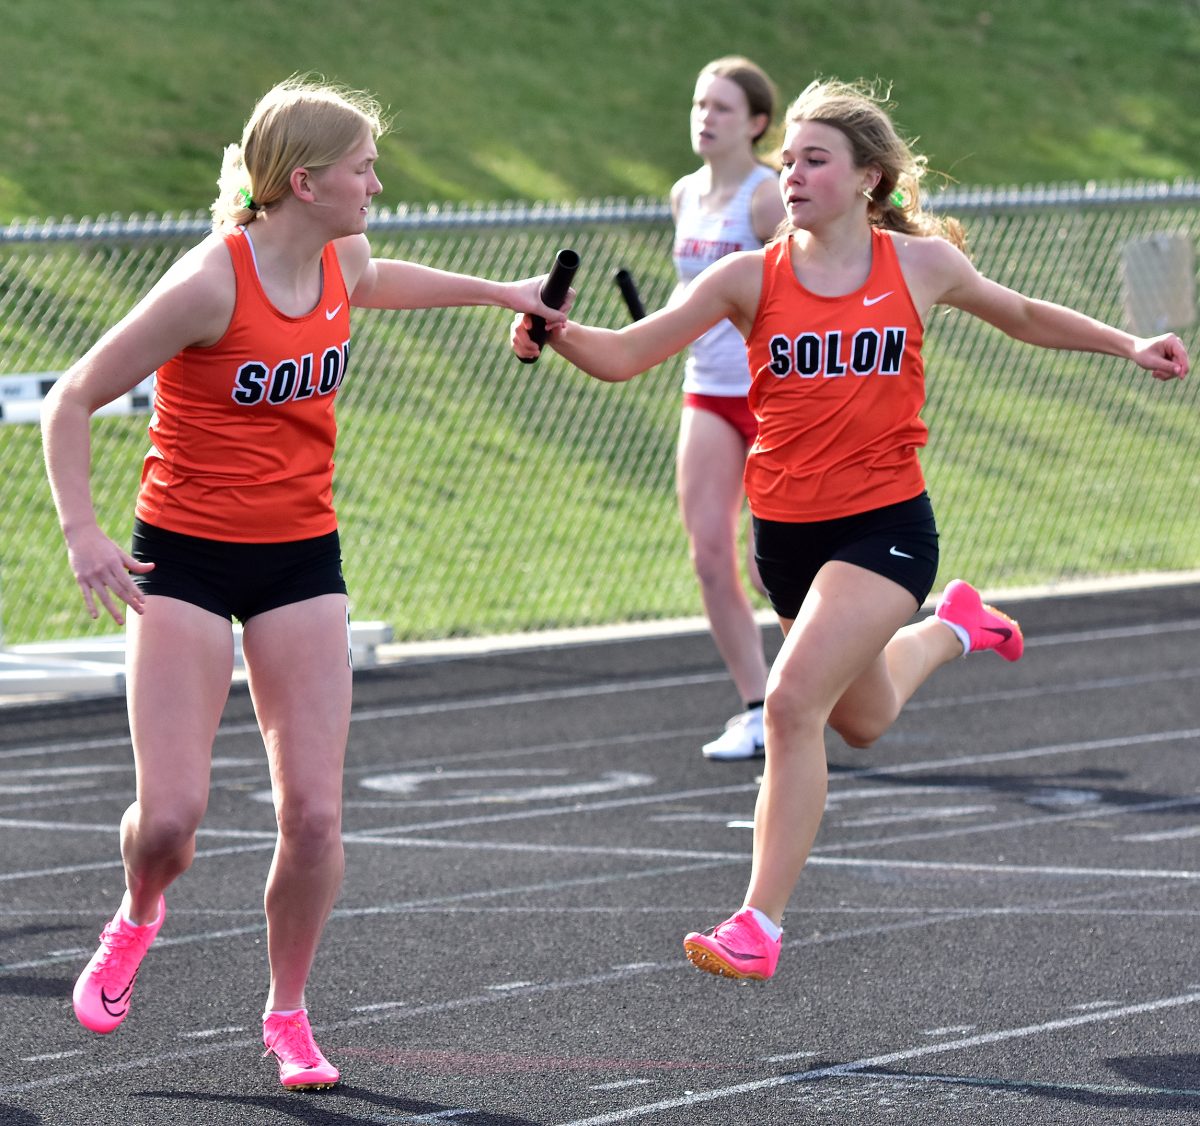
column 898, row 541
column 233, row 579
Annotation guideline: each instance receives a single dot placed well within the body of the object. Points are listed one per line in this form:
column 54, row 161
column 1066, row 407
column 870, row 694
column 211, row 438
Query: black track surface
column 998, row 924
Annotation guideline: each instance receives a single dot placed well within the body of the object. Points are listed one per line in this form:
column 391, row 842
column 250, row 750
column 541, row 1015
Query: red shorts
column 734, row 409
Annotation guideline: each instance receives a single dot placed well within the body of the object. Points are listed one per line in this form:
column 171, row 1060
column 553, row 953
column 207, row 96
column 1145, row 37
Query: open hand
column 103, row 572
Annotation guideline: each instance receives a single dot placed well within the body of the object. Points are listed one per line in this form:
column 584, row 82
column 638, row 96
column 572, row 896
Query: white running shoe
column 741, row 739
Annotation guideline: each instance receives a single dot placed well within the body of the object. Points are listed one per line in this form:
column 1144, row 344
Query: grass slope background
column 124, row 106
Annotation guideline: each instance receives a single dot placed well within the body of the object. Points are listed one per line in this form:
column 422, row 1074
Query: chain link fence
column 478, row 495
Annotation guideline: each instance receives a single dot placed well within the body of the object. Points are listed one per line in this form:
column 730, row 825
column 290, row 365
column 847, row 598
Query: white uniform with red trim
column 716, row 363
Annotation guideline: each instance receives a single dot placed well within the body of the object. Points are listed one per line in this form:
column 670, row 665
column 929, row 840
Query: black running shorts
column 237, row 580
column 899, row 542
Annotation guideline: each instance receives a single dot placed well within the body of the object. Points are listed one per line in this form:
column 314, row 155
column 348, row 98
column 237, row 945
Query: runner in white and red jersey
column 729, row 204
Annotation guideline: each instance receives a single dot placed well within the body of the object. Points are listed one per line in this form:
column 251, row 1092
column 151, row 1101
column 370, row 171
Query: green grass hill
column 124, row 105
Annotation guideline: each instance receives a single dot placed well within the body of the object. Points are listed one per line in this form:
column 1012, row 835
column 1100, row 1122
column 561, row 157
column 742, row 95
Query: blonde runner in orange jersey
column 249, row 334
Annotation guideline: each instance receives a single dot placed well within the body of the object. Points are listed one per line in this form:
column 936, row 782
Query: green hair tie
column 897, row 198
column 246, row 199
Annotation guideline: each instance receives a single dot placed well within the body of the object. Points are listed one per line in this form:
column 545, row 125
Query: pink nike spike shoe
column 104, row 989
column 736, row 948
column 986, row 626
column 290, row 1040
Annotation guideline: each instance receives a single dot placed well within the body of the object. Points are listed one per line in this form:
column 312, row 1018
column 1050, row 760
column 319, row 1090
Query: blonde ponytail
column 235, row 205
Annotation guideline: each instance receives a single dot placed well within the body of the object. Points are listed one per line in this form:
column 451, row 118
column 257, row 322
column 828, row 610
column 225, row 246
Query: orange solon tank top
column 838, row 387
column 243, row 431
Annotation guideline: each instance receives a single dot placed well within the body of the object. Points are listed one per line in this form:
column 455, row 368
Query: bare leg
column 180, row 662
column 872, row 703
column 709, row 466
column 846, row 645
column 300, row 678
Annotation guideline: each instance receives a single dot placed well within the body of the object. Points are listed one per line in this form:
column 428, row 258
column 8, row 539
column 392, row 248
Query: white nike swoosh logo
column 331, row 313
column 902, row 554
column 868, row 301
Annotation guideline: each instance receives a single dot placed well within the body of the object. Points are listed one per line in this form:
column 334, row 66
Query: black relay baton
column 629, row 290
column 553, row 293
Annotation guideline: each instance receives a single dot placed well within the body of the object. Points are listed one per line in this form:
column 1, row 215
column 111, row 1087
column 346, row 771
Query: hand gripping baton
column 553, row 293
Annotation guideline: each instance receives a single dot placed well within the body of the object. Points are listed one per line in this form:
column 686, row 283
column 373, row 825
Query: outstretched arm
column 954, row 281
column 392, row 283
column 728, row 289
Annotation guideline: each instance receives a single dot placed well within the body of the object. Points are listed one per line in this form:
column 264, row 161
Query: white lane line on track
column 102, row 827
column 814, row 860
column 1026, row 1086
column 888, row 1059
column 1112, row 810
column 1005, row 869
column 1038, row 691
column 1165, row 835
column 125, row 766
column 1048, row 749
column 1114, row 633
column 418, row 1119
column 551, row 849
column 65, row 771
column 102, row 865
column 209, row 1033
column 569, row 809
column 379, row 836
column 705, row 857
column 29, row 825
column 918, row 813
